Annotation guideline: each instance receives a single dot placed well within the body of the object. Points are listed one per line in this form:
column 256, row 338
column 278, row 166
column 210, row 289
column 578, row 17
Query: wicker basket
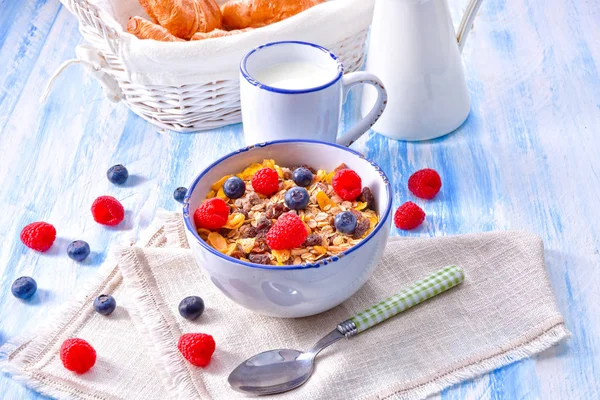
column 185, row 108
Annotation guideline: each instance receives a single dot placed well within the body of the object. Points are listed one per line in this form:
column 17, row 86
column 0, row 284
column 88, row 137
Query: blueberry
column 296, row 198
column 179, row 194
column 78, row 250
column 117, row 174
column 24, row 287
column 234, row 187
column 302, row 176
column 105, row 304
column 191, row 307
column 345, row 222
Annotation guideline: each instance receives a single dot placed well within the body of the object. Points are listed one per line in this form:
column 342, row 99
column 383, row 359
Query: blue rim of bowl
column 320, row 263
column 256, row 83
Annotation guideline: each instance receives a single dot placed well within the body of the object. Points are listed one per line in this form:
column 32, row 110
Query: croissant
column 146, row 6
column 148, row 30
column 217, row 33
column 239, row 14
column 183, row 18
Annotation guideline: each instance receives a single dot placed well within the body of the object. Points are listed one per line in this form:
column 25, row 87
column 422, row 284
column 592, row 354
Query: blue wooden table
column 527, row 158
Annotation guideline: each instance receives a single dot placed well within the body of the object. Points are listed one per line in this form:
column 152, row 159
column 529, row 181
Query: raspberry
column 409, row 216
column 265, row 181
column 212, row 214
column 77, row 355
column 197, row 348
column 287, row 233
column 425, row 183
column 347, row 184
column 38, row 236
column 107, row 210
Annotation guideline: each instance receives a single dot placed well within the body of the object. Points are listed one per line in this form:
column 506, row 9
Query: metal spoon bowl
column 280, row 370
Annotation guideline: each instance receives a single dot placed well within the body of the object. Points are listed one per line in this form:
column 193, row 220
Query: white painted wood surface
column 527, row 158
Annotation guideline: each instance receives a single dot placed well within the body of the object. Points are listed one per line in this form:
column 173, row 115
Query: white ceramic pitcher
column 414, row 50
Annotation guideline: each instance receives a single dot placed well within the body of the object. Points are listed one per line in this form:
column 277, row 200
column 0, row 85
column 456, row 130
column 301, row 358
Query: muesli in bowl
column 275, row 215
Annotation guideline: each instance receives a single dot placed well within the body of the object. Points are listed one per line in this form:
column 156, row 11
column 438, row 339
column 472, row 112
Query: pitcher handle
column 356, row 78
column 466, row 22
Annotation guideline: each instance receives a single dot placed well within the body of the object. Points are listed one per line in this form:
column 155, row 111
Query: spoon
column 277, row 371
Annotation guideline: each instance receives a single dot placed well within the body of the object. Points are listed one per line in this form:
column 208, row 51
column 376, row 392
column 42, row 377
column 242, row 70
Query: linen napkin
column 502, row 312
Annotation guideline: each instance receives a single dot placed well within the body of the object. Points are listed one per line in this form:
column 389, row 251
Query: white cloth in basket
column 150, row 62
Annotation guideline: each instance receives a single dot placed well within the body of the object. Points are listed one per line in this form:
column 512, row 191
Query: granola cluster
column 252, row 215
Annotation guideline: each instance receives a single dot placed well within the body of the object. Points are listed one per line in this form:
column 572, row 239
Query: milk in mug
column 295, row 75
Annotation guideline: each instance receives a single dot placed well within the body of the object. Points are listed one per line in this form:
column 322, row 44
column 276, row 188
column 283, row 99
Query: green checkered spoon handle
column 436, row 283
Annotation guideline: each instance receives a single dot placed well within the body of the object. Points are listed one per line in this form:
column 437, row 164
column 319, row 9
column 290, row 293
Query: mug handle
column 356, row 78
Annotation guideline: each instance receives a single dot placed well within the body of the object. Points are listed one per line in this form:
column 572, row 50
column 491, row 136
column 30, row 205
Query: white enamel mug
column 271, row 113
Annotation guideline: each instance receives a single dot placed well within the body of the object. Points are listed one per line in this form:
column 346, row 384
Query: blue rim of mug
column 256, row 83
column 383, row 217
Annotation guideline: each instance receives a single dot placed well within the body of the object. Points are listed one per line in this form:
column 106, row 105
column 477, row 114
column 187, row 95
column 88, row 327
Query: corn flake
column 230, row 249
column 324, row 200
column 203, row 233
column 249, row 172
column 281, row 256
column 360, row 206
column 269, row 164
column 279, row 171
column 321, row 174
column 217, row 241
column 308, row 230
column 211, row 194
column 373, row 221
column 247, row 244
column 320, row 249
column 235, row 220
column 329, row 177
column 221, row 194
column 219, row 184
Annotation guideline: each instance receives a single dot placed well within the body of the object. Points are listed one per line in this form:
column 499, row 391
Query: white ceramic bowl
column 292, row 291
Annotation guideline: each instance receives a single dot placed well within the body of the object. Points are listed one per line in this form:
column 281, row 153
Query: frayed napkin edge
column 553, row 331
column 174, row 371
column 57, row 320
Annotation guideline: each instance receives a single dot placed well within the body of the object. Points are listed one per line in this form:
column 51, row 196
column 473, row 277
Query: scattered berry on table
column 409, row 216
column 78, row 250
column 302, row 176
column 347, row 184
column 117, row 174
column 38, row 236
column 105, row 304
column 425, row 183
column 24, row 287
column 234, row 187
column 191, row 307
column 179, row 194
column 265, row 181
column 345, row 222
column 197, row 348
column 212, row 214
column 287, row 233
column 296, row 198
column 77, row 355
column 107, row 210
